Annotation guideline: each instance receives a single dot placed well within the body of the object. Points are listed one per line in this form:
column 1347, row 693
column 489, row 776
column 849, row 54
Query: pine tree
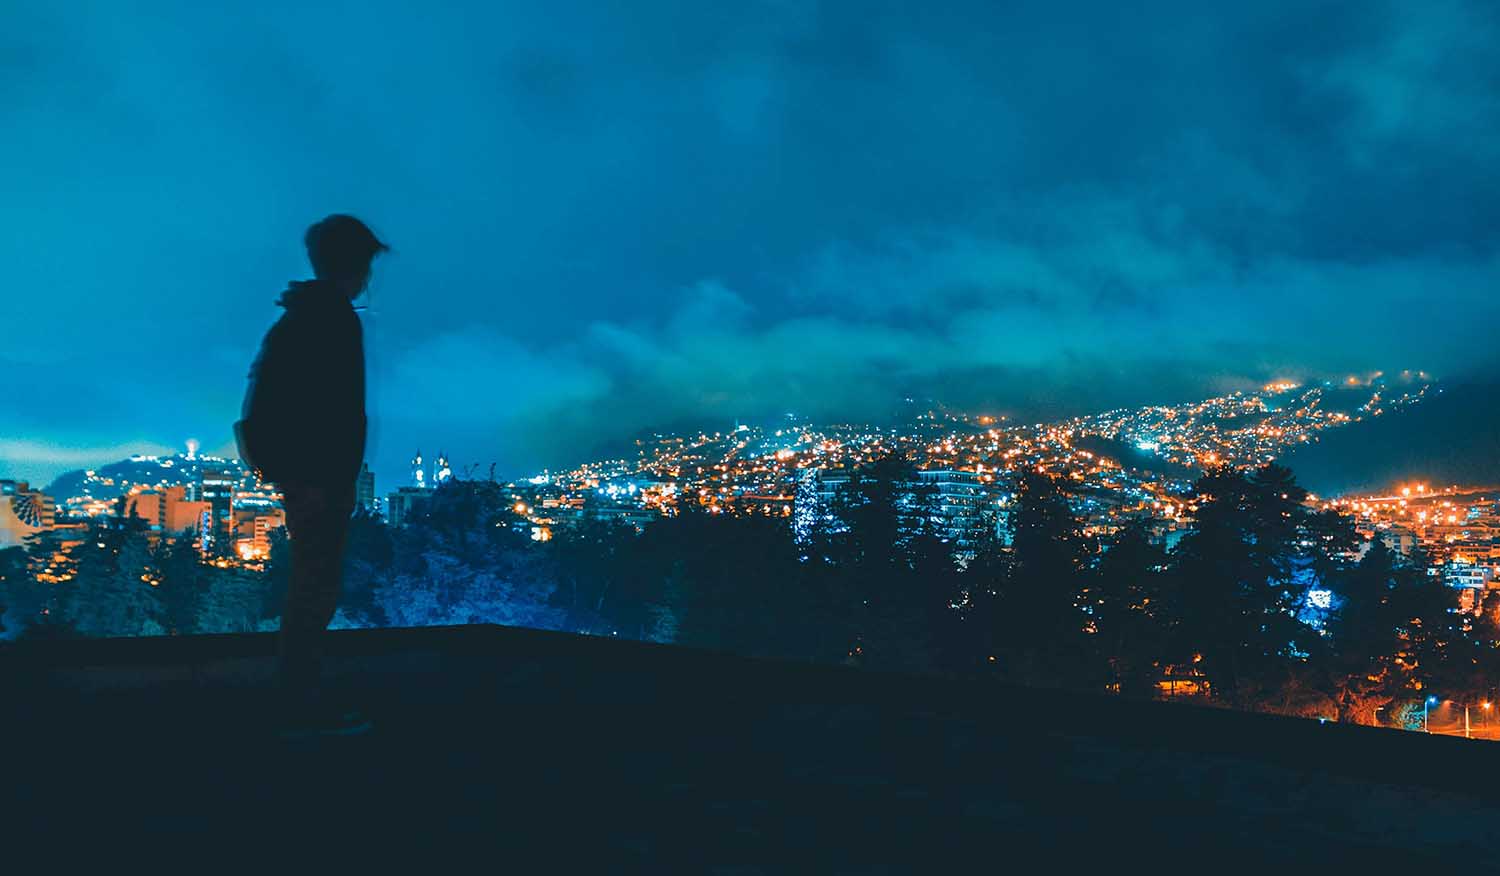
column 894, row 611
column 1041, row 633
column 974, row 625
column 368, row 553
column 231, row 602
column 590, row 571
column 1428, row 627
column 22, row 597
column 1365, row 637
column 1235, row 582
column 1129, row 614
column 184, row 580
column 115, row 591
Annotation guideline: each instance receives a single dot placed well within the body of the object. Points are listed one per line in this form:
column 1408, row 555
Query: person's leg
column 317, row 524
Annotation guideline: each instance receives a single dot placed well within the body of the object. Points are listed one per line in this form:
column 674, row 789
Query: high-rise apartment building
column 364, row 489
column 217, row 488
column 402, row 504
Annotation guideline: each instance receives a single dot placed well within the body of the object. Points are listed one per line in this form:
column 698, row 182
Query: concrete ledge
column 669, row 734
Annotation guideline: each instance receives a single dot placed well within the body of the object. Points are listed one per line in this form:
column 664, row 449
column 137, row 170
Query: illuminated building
column 1466, row 575
column 258, row 545
column 1399, row 539
column 147, row 505
column 402, row 504
column 166, row 510
column 179, row 513
column 829, row 488
column 256, row 501
column 257, row 513
column 962, row 504
column 364, row 488
column 442, row 472
column 217, row 487
column 23, row 512
column 628, row 514
column 418, row 474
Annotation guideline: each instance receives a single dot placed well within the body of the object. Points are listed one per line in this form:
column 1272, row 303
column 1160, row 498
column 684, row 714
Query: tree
column 894, row 610
column 450, row 591
column 1441, row 649
column 231, row 602
column 973, row 628
column 1365, row 640
column 726, row 582
column 1129, row 615
column 1484, row 639
column 114, row 593
column 1332, row 544
column 368, row 554
column 1041, row 625
column 1235, row 583
column 590, row 566
column 184, row 582
column 22, row 597
column 1428, row 628
column 455, row 565
column 48, row 628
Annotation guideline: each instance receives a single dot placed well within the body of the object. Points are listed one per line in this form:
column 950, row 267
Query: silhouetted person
column 303, row 428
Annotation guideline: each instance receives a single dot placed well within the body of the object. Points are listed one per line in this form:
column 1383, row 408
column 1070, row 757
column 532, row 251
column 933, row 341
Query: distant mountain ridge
column 159, row 471
column 1451, row 437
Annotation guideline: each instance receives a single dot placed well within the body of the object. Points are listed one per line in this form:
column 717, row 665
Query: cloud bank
column 607, row 219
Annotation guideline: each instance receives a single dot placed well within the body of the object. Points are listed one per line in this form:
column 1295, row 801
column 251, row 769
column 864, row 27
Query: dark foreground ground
column 519, row 751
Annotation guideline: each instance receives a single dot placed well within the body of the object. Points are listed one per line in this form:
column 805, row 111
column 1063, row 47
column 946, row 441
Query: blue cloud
column 609, row 216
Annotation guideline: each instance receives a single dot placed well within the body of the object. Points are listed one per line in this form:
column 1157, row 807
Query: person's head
column 341, row 248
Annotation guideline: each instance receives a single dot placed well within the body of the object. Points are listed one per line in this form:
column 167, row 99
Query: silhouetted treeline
column 1236, row 608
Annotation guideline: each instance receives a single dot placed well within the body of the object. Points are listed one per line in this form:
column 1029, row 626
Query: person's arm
column 341, row 384
column 267, row 384
column 263, row 435
column 358, row 417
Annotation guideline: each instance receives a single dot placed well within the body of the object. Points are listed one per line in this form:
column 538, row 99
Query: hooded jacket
column 306, row 401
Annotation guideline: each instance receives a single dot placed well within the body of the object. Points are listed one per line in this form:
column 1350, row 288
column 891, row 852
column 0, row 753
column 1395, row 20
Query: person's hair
column 341, row 245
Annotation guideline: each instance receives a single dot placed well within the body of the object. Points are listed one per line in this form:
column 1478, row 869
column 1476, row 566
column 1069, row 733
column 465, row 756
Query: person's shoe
column 325, row 722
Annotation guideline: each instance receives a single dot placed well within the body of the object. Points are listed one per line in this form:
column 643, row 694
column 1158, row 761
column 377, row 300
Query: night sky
column 612, row 216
